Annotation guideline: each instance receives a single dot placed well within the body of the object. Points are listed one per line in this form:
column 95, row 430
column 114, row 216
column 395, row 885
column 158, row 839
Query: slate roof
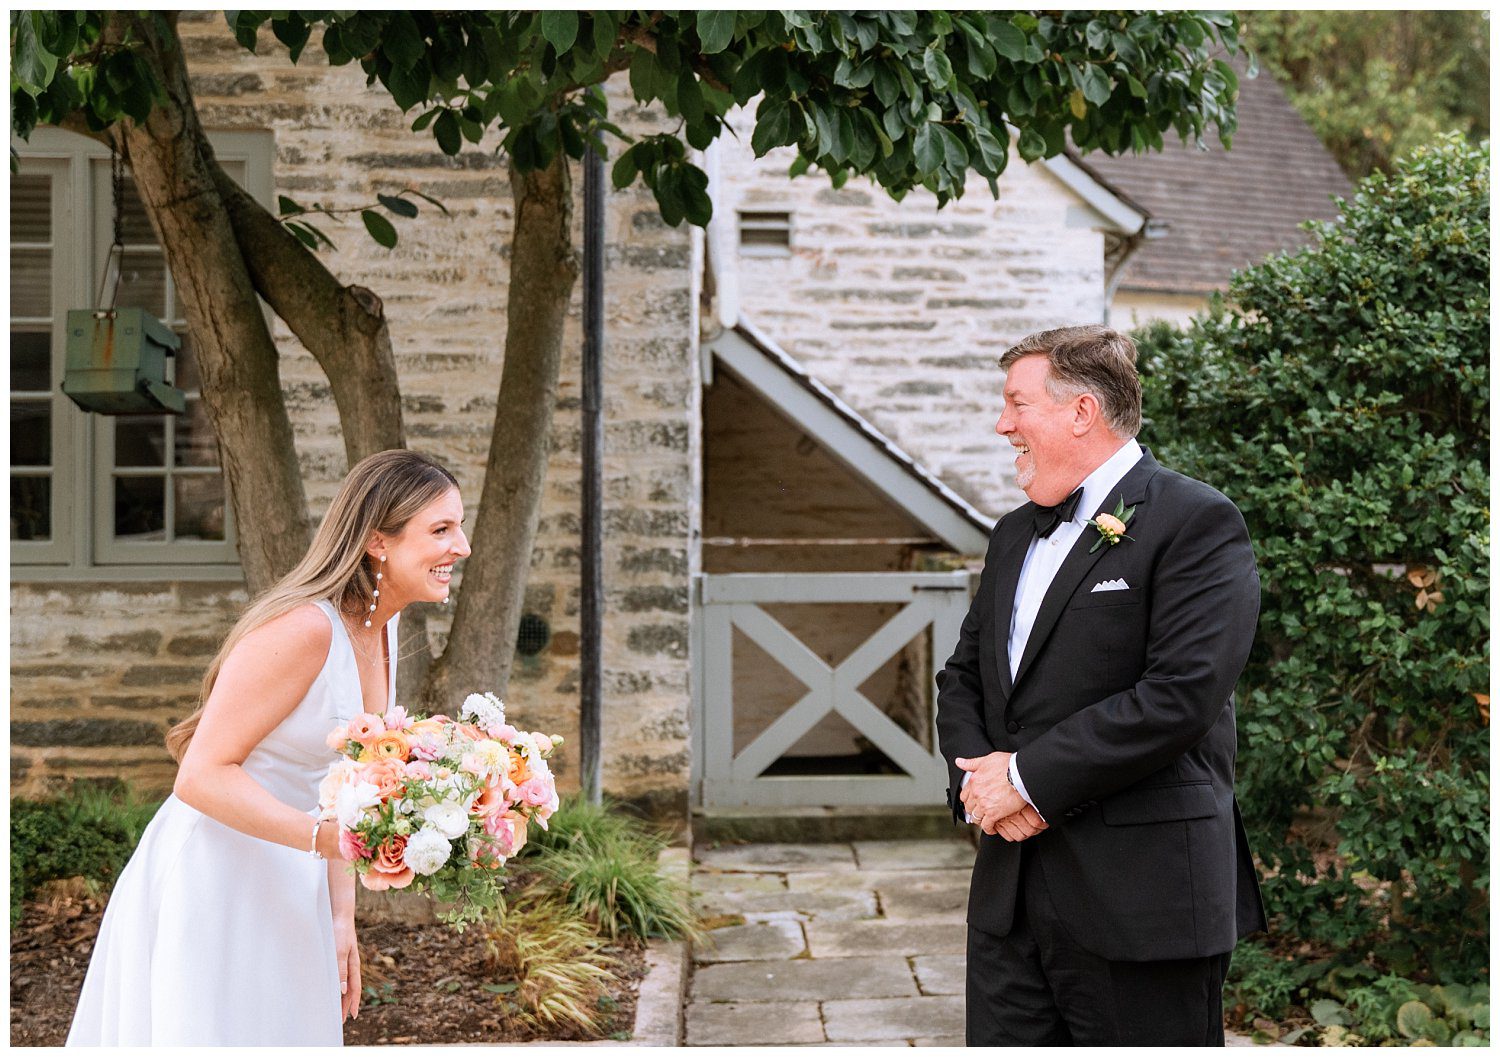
column 1226, row 209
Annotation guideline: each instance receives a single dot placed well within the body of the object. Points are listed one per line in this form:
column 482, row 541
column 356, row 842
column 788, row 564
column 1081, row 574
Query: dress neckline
column 389, row 658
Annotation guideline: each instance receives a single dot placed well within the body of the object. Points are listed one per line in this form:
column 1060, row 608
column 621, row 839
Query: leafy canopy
column 1343, row 404
column 910, row 99
column 1376, row 86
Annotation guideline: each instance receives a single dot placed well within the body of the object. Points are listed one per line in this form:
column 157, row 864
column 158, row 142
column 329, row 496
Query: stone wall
column 904, row 309
column 100, row 670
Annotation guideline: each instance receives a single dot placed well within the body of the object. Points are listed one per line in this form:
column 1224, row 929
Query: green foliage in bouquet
column 89, row 830
column 1341, row 399
column 605, row 863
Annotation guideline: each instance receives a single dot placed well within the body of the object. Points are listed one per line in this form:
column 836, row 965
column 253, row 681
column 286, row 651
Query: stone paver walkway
column 830, row 943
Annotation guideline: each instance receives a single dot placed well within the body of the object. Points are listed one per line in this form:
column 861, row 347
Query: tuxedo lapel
column 1132, row 488
column 1012, row 557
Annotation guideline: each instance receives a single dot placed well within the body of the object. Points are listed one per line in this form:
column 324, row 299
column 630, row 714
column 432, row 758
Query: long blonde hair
column 381, row 494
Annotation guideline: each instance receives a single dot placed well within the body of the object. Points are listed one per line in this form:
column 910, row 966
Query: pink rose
column 388, row 868
column 534, row 792
column 504, row 732
column 509, row 831
column 395, row 718
column 426, row 747
column 419, row 770
column 471, row 764
column 337, row 738
column 352, row 845
column 490, row 801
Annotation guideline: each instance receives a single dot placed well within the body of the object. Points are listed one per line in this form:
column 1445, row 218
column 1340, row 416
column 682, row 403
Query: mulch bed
column 422, row 986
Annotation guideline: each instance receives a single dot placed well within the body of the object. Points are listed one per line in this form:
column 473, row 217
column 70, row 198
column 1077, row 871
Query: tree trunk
column 543, row 271
column 344, row 327
column 174, row 175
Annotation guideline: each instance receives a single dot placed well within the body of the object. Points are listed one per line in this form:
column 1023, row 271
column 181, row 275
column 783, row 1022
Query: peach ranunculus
column 388, row 867
column 364, row 727
column 387, row 774
column 389, row 744
column 519, row 772
column 1110, row 524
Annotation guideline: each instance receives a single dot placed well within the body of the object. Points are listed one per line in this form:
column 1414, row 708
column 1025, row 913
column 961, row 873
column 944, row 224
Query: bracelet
column 313, row 847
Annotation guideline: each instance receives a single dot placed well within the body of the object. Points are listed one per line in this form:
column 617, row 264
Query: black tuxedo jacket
column 1123, row 712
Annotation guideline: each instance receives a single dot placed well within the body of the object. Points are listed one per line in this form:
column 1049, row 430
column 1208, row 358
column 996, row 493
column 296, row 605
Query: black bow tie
column 1047, row 518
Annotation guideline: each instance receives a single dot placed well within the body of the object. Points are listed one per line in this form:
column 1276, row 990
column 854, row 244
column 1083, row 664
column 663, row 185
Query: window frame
column 83, row 448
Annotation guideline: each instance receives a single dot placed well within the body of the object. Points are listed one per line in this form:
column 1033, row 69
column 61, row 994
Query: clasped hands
column 993, row 802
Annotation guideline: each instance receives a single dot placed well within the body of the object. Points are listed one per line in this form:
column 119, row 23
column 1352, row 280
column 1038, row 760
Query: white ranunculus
column 353, row 799
column 448, row 817
column 427, row 850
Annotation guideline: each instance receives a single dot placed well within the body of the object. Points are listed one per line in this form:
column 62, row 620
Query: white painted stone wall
column 903, row 309
column 100, row 670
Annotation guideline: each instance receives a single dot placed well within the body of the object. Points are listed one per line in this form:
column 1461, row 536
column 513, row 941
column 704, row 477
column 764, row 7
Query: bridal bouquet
column 438, row 804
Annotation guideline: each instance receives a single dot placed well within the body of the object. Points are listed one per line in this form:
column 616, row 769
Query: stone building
column 799, row 447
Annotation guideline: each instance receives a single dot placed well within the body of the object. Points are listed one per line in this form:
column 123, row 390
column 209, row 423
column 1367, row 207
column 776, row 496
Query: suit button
column 1012, row 726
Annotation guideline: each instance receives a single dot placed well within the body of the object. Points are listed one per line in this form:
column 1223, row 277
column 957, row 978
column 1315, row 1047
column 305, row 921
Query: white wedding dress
column 215, row 938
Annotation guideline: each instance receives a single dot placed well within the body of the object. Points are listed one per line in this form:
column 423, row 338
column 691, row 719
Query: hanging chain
column 116, row 248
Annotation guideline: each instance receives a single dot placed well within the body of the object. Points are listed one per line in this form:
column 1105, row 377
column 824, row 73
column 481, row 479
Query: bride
column 227, row 927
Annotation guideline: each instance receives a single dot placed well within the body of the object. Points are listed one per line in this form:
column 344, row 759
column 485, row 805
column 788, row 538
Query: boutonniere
column 1111, row 527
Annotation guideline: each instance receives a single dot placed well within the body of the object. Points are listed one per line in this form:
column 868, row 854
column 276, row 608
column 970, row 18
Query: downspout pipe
column 591, row 573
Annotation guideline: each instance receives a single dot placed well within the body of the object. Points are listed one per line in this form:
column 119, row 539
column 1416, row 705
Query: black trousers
column 1038, row 987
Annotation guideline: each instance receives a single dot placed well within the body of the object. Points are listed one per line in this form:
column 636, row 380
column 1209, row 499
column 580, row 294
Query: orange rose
column 385, row 773
column 388, row 867
column 390, row 744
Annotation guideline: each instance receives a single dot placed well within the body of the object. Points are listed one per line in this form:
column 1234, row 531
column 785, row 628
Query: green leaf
column 410, row 87
column 1096, row 86
column 955, row 154
column 403, row 42
column 380, row 229
column 1136, row 88
column 993, row 152
column 560, row 27
column 293, row 32
column 400, row 206
column 773, row 122
column 1008, row 40
column 1328, row 1013
column 1031, row 145
column 939, row 70
column 625, row 170
column 32, row 65
column 927, row 148
column 449, row 136
column 643, row 75
column 287, row 207
column 421, row 123
column 715, row 30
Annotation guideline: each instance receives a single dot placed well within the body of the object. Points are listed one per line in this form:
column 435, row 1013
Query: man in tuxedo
column 1087, row 714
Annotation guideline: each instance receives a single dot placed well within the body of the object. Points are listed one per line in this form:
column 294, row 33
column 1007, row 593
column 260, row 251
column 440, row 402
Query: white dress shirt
column 1045, row 556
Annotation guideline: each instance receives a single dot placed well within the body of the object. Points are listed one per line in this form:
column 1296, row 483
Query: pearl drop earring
column 378, row 577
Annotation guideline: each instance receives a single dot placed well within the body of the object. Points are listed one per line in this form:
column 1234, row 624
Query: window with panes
column 96, row 491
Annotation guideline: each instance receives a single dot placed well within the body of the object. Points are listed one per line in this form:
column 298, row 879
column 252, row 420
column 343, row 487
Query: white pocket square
column 1110, row 585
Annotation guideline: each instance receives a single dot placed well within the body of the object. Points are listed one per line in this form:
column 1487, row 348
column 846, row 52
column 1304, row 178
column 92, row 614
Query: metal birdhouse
column 117, row 363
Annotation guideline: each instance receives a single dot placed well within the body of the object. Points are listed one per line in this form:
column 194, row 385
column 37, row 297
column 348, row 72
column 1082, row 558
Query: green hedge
column 89, row 830
column 1341, row 399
